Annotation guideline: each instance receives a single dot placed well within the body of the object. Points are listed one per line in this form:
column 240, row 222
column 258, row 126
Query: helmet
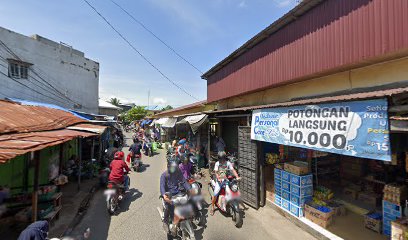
column 172, row 166
column 119, row 155
column 221, row 155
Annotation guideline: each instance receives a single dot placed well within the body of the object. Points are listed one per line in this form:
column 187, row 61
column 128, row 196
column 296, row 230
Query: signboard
column 358, row 128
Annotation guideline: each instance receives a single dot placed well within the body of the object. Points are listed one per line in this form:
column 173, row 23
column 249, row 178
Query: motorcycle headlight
column 234, row 188
column 196, row 188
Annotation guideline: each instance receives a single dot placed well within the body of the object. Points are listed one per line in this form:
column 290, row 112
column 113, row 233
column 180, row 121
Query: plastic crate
column 296, row 210
column 286, row 195
column 278, row 191
column 286, row 176
column 301, row 181
column 286, row 205
column 301, row 191
column 278, row 173
column 278, row 182
column 278, row 200
column 299, row 201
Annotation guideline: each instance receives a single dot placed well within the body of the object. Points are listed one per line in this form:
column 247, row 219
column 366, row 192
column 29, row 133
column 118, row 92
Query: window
column 18, row 69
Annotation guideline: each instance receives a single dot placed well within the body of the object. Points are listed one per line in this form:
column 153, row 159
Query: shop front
column 336, row 165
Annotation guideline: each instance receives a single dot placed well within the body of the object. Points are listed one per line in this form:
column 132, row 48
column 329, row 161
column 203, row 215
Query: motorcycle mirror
column 106, row 150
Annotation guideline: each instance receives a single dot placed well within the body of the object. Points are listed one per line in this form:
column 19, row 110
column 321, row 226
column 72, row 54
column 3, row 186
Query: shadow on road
column 199, row 231
column 130, row 197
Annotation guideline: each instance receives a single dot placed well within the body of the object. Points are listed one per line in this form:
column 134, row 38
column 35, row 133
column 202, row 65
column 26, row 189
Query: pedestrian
column 220, row 144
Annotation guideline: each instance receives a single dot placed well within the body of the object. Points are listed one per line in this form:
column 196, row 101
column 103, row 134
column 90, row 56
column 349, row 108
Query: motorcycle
column 137, row 163
column 114, row 194
column 184, row 210
column 229, row 199
column 197, row 202
column 148, row 149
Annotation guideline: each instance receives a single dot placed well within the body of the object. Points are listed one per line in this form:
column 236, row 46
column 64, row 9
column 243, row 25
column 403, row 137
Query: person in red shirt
column 118, row 168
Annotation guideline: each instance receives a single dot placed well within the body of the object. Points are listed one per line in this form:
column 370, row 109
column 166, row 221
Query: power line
column 64, row 97
column 154, row 35
column 138, row 52
column 41, row 87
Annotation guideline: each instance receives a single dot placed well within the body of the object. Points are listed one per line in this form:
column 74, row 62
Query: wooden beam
column 80, row 162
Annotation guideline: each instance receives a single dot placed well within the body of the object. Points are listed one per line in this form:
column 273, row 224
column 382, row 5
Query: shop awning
column 170, row 123
column 195, row 121
column 13, row 145
column 161, row 121
column 88, row 128
column 327, row 99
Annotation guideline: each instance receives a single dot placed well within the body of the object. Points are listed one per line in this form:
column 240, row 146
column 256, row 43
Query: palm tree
column 114, row 101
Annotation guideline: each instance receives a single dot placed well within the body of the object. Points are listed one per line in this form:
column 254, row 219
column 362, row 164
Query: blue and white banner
column 358, row 128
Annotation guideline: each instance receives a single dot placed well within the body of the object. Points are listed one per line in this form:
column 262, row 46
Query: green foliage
column 168, row 107
column 114, row 101
column 136, row 113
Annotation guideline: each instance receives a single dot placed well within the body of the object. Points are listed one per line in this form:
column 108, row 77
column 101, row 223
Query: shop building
column 340, row 60
column 39, row 149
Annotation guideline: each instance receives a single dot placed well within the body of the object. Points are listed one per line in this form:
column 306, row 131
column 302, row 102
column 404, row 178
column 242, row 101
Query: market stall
column 332, row 164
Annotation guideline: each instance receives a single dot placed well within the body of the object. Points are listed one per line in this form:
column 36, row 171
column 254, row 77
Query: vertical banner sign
column 358, row 128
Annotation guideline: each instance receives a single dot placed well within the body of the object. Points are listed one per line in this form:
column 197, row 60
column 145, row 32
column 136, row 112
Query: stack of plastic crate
column 296, row 191
column 278, row 186
column 391, row 212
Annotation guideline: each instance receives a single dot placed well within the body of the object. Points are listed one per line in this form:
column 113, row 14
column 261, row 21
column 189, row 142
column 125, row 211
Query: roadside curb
column 83, row 207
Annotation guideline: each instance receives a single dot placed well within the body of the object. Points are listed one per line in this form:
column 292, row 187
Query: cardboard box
column 322, row 219
column 351, row 192
column 399, row 229
column 297, row 168
column 371, row 199
column 373, row 224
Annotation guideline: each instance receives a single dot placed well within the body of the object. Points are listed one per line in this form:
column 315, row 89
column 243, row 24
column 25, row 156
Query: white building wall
column 66, row 69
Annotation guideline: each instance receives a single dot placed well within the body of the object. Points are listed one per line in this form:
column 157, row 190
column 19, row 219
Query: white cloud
column 159, row 100
column 284, row 3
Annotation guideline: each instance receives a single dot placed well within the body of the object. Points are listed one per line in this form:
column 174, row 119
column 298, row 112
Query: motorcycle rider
column 135, row 148
column 185, row 167
column 117, row 174
column 170, row 182
column 222, row 169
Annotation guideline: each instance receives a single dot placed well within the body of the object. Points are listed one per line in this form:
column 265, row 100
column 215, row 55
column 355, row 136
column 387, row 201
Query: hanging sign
column 358, row 128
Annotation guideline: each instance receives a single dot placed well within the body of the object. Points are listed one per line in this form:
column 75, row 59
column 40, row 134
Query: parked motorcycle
column 114, row 194
column 229, row 200
column 185, row 211
column 137, row 163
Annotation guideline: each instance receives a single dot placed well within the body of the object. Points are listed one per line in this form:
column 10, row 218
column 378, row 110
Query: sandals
column 212, row 212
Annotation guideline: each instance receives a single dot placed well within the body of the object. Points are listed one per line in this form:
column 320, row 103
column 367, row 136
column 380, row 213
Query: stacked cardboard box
column 391, row 212
column 294, row 191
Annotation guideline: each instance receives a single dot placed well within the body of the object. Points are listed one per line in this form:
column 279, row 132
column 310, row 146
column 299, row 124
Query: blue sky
column 204, row 32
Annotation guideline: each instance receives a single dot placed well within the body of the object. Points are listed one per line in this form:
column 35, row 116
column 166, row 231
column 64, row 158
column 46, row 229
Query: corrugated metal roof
column 332, row 36
column 348, row 97
column 88, row 127
column 16, row 118
column 185, row 107
column 13, row 145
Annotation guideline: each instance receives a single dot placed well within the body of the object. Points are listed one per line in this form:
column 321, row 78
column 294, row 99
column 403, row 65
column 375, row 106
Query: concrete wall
column 374, row 75
column 108, row 111
column 74, row 76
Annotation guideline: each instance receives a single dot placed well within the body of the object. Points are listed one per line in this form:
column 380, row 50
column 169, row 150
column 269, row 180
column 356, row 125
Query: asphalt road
column 138, row 217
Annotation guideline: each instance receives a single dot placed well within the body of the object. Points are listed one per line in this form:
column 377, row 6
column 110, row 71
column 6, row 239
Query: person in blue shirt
column 171, row 182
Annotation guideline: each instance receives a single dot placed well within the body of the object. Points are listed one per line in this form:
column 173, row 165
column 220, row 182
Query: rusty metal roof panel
column 347, row 97
column 330, row 37
column 88, row 128
column 16, row 118
column 185, row 107
column 12, row 145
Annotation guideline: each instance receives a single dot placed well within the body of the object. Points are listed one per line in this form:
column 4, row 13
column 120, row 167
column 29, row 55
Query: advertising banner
column 358, row 128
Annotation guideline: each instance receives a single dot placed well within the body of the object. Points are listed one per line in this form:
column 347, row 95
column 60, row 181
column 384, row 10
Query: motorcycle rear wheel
column 111, row 206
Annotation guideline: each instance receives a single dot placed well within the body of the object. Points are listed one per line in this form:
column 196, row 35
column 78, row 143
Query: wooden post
column 80, row 162
column 93, row 148
column 35, row 186
column 61, row 157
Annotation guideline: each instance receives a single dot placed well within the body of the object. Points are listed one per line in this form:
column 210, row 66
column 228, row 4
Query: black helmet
column 172, row 166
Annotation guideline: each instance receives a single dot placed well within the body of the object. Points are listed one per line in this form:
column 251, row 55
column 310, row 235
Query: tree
column 168, row 107
column 114, row 101
column 135, row 113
